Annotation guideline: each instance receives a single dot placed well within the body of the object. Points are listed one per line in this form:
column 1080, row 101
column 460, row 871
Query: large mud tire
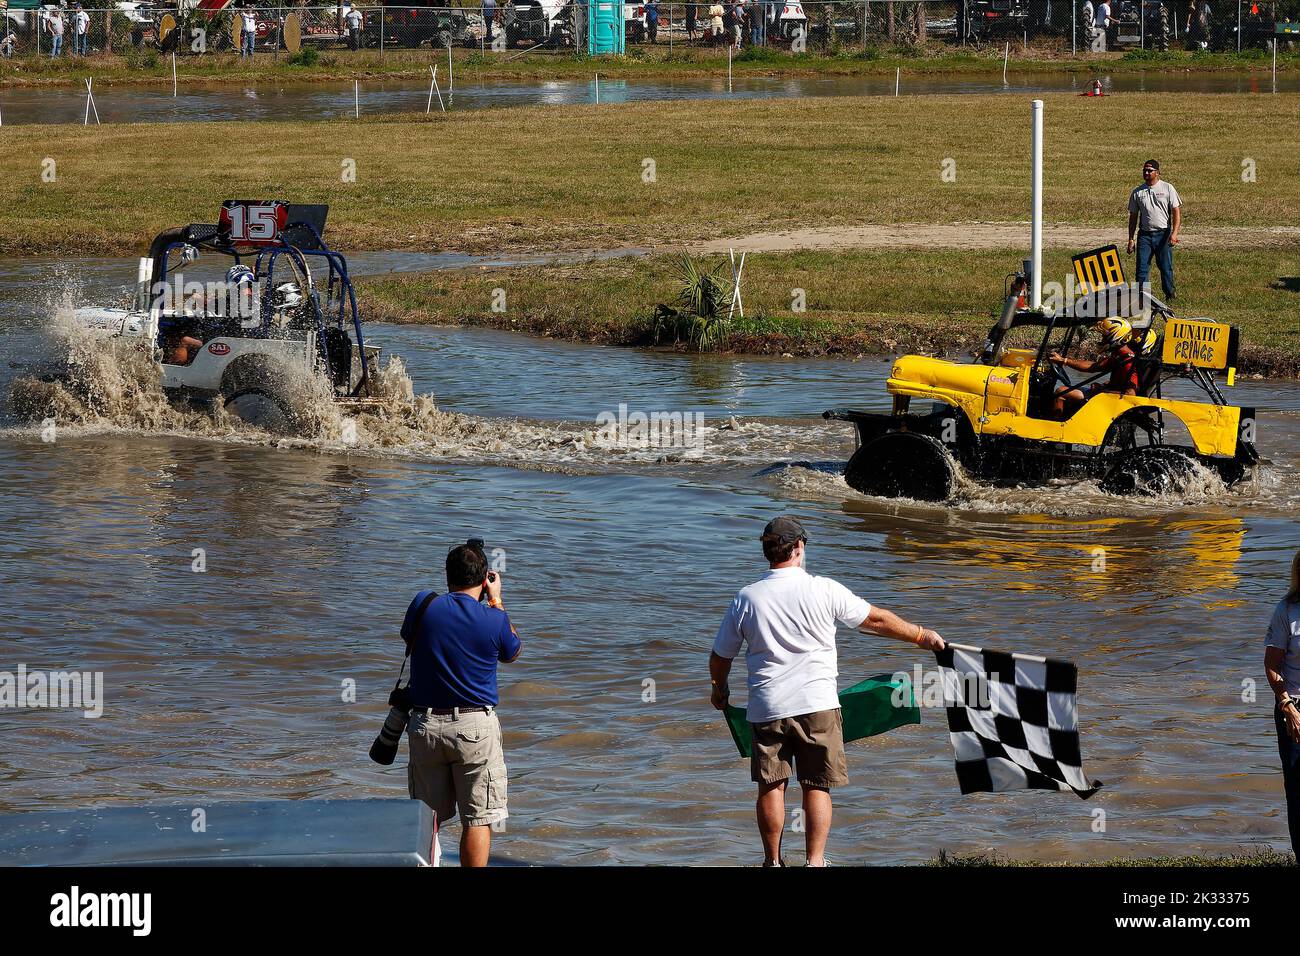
column 261, row 409
column 1148, row 471
column 903, row 465
column 255, row 392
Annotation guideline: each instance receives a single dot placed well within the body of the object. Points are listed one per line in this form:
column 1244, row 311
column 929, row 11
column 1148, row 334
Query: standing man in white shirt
column 786, row 620
column 354, row 20
column 54, row 23
column 1103, row 25
column 247, row 32
column 80, row 31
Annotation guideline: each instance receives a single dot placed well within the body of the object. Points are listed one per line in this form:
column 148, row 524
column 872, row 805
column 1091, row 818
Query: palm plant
column 699, row 313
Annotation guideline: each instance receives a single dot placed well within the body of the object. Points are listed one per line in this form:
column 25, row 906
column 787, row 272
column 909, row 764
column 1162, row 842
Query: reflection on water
column 330, row 100
column 230, row 683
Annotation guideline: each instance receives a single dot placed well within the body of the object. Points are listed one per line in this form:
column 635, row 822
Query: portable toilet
column 605, row 27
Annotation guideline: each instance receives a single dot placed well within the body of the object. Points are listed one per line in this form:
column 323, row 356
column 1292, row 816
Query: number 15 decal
column 246, row 222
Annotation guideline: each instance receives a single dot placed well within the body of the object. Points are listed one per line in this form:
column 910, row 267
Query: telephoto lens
column 384, row 750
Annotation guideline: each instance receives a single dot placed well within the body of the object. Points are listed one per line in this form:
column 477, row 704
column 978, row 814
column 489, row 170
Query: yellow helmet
column 1144, row 343
column 1114, row 332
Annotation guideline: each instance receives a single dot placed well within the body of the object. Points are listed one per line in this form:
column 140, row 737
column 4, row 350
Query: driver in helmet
column 241, row 290
column 1119, row 359
column 288, row 306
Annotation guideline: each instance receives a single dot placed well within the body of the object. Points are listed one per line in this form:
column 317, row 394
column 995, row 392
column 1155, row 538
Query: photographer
column 455, row 643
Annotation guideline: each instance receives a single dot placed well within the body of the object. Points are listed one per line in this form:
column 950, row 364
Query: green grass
column 858, row 302
column 494, row 180
column 1256, row 857
column 151, row 67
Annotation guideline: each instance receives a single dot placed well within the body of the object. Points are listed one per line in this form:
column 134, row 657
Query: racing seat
column 1149, row 366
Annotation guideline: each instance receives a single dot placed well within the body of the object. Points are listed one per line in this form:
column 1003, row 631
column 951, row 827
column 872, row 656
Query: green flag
column 869, row 708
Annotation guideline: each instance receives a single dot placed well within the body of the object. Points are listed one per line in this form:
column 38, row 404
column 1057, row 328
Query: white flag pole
column 898, row 78
column 173, row 75
column 1036, row 217
column 1005, row 57
column 597, row 89
column 728, row 68
column 438, row 90
column 356, row 98
column 451, row 76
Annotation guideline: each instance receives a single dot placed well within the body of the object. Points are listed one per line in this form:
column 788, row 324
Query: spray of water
column 98, row 383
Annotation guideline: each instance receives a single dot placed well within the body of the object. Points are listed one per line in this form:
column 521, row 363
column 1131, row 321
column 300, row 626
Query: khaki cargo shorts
column 814, row 743
column 457, row 764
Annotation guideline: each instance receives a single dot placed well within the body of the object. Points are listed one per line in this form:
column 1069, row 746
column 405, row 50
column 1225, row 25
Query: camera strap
column 419, row 616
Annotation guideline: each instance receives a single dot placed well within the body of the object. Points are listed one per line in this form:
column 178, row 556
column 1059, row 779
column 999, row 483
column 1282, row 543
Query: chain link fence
column 790, row 26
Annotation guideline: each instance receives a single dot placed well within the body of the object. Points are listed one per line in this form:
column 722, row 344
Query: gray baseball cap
column 786, row 529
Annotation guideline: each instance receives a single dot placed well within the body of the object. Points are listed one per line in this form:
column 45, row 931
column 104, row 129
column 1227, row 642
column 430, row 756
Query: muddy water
column 331, row 100
column 229, row 683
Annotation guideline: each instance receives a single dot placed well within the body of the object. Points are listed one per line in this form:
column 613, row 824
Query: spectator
column 1155, row 212
column 786, row 621
column 652, row 19
column 690, row 21
column 1282, row 668
column 455, row 645
column 1104, row 23
column 489, row 18
column 717, row 21
column 8, row 41
column 80, row 31
column 738, row 22
column 756, row 22
column 354, row 20
column 54, row 24
column 248, row 32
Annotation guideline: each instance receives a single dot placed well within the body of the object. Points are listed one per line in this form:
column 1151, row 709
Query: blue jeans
column 1156, row 244
column 81, row 43
column 1289, row 751
column 246, row 41
column 57, row 46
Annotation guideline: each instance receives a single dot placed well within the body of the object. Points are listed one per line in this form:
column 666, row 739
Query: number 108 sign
column 245, row 223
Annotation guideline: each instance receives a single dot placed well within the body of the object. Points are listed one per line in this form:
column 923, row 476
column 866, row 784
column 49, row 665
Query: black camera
column 384, row 750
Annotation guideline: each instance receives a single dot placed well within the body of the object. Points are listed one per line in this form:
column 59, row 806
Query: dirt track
column 986, row 235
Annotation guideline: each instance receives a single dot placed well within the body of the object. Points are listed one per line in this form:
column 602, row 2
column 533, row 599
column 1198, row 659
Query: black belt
column 451, row 711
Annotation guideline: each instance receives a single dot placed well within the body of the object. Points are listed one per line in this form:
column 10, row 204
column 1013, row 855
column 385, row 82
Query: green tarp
column 868, row 709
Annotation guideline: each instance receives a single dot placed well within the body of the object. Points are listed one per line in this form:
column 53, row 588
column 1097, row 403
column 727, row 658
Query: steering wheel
column 1058, row 373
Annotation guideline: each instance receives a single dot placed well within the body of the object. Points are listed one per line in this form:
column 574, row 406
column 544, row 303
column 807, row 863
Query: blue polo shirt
column 455, row 648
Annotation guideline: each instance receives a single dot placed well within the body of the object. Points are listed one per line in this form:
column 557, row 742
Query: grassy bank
column 496, row 180
column 857, row 302
column 152, row 68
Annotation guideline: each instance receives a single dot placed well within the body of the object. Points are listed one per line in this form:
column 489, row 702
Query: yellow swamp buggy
column 994, row 417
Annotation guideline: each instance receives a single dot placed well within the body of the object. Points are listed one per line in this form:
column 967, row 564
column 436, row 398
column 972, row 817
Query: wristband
column 920, row 635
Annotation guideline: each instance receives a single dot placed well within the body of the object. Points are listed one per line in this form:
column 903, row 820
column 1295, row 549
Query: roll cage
column 1072, row 324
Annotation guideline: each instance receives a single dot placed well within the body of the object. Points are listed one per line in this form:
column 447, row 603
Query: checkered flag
column 1012, row 721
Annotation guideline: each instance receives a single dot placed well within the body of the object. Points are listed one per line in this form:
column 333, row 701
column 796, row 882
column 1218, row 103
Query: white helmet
column 288, row 295
column 239, row 274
